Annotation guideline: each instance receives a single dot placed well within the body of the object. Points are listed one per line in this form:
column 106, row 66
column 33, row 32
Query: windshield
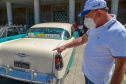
column 48, row 33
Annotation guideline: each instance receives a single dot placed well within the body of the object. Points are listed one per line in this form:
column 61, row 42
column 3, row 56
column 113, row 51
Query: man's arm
column 120, row 66
column 76, row 42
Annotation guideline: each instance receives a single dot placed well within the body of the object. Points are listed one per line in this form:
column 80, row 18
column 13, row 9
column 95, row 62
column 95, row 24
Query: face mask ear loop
column 97, row 21
column 94, row 15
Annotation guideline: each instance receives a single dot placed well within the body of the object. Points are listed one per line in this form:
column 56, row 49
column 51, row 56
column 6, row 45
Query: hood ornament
column 21, row 55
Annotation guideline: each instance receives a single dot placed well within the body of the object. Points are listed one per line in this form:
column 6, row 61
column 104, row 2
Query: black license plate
column 21, row 65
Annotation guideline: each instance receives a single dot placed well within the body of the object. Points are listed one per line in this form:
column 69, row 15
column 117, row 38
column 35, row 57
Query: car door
column 12, row 33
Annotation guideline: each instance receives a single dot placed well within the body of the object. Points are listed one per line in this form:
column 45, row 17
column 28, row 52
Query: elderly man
column 106, row 45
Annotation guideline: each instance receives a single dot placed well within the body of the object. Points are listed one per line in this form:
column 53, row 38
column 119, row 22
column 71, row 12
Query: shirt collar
column 109, row 23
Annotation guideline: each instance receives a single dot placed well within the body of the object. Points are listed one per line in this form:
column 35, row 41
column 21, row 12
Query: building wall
column 122, row 12
column 109, row 6
column 3, row 17
column 78, row 10
column 45, row 13
column 21, row 15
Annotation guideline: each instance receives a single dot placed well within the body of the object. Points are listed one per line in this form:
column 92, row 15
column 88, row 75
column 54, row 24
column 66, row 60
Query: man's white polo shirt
column 103, row 44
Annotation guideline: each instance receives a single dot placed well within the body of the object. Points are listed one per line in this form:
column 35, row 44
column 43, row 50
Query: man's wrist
column 65, row 46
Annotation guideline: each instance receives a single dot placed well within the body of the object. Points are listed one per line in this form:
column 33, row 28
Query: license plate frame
column 21, row 64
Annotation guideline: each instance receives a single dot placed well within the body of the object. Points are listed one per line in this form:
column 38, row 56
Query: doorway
column 31, row 19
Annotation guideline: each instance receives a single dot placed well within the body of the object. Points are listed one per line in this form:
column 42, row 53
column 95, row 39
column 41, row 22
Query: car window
column 48, row 33
column 66, row 34
column 22, row 30
column 12, row 31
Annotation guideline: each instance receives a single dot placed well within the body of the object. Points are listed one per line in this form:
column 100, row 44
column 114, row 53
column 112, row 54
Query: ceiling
column 28, row 3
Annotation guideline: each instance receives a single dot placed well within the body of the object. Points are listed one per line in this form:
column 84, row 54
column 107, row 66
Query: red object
column 75, row 25
column 87, row 29
column 57, row 60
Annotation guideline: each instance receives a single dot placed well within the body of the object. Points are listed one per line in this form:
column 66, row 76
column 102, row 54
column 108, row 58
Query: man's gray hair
column 106, row 9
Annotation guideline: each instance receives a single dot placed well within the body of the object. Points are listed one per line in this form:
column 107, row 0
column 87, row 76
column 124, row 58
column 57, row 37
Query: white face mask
column 89, row 22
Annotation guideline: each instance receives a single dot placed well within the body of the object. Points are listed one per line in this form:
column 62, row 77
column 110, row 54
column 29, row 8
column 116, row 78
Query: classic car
column 32, row 58
column 8, row 33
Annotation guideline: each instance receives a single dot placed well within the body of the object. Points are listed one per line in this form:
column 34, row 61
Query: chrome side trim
column 66, row 54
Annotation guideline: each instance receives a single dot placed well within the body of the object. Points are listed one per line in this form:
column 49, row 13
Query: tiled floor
column 75, row 76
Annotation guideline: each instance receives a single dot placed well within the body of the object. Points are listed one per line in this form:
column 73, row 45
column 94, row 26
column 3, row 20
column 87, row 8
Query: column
column 114, row 7
column 9, row 13
column 36, row 11
column 71, row 11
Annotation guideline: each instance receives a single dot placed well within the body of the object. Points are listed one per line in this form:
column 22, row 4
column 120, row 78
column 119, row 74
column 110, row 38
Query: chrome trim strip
column 66, row 54
column 7, row 70
column 32, row 75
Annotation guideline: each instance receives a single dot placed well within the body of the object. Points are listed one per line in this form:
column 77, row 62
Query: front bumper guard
column 29, row 77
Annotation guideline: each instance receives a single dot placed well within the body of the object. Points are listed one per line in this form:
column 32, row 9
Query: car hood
column 38, row 53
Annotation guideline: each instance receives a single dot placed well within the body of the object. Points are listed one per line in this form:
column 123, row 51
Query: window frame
column 52, row 28
column 72, row 31
column 13, row 31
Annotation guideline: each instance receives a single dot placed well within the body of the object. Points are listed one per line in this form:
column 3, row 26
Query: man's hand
column 60, row 49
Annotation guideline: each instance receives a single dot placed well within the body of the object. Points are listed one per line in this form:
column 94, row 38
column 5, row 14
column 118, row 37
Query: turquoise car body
column 11, row 38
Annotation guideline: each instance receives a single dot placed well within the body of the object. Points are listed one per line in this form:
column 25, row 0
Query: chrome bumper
column 29, row 77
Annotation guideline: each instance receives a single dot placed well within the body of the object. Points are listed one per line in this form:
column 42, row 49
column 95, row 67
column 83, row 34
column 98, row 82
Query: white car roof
column 66, row 26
